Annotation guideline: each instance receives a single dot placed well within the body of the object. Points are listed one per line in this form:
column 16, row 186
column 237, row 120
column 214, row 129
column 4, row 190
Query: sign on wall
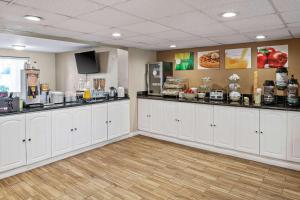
column 209, row 59
column 238, row 58
column 272, row 56
column 184, row 61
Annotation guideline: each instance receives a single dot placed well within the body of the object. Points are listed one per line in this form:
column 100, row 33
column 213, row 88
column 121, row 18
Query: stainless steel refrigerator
column 156, row 74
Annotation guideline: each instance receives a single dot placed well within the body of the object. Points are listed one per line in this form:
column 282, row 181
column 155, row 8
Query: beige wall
column 45, row 62
column 67, row 76
column 137, row 60
column 219, row 77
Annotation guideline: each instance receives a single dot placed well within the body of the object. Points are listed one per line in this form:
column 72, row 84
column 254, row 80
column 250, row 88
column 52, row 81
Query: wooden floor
column 144, row 168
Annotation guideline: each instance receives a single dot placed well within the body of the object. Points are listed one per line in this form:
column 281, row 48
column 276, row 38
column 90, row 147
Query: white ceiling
column 38, row 44
column 155, row 24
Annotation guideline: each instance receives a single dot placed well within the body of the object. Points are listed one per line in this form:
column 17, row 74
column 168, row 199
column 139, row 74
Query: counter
column 221, row 103
column 61, row 106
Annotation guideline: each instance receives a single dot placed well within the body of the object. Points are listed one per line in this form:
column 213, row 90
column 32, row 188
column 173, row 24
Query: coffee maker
column 30, row 91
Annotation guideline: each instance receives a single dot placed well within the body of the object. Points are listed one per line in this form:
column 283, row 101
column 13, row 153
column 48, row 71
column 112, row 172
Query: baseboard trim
column 61, row 157
column 261, row 159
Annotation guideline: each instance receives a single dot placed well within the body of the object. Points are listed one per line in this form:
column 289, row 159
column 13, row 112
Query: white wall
column 67, row 77
column 45, row 62
column 138, row 59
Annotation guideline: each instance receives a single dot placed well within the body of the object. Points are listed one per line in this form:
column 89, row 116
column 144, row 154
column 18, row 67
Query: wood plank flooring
column 145, row 168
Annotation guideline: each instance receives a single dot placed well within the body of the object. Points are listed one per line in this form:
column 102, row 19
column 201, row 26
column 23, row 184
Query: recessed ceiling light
column 116, row 34
column 260, row 37
column 229, row 14
column 172, row 46
column 33, row 18
column 19, row 47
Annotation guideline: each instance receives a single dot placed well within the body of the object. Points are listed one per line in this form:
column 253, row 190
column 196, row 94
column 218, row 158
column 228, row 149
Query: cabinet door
column 38, row 134
column 170, row 119
column 62, row 130
column 118, row 117
column 186, row 116
column 224, row 129
column 99, row 123
column 82, row 124
column 156, row 114
column 143, row 114
column 247, row 130
column 293, row 139
column 273, row 126
column 203, row 124
column 12, row 142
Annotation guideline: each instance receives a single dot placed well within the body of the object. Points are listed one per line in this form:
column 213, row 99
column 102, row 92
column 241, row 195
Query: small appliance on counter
column 156, row 74
column 57, row 97
column 269, row 92
column 112, row 92
column 174, row 86
column 9, row 104
column 216, row 95
column 292, row 93
column 45, row 94
column 121, row 92
column 70, row 97
column 30, row 87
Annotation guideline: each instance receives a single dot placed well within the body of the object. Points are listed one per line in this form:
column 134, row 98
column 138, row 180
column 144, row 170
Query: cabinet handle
column 215, row 125
column 261, row 132
column 109, row 121
column 106, row 122
column 75, row 129
column 256, row 132
column 211, row 125
column 29, row 139
column 71, row 130
column 23, row 140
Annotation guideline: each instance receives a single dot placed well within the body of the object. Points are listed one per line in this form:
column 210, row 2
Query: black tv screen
column 87, row 62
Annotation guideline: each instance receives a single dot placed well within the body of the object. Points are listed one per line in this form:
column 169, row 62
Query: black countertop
column 222, row 103
column 63, row 105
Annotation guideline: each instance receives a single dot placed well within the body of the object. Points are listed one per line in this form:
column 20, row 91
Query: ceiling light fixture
column 116, row 35
column 19, row 47
column 33, row 18
column 260, row 37
column 172, row 46
column 229, row 14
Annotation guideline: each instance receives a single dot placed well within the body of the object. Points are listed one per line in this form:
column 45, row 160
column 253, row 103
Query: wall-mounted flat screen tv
column 87, row 62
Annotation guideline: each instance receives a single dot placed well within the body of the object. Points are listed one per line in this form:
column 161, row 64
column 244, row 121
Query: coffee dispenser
column 30, row 91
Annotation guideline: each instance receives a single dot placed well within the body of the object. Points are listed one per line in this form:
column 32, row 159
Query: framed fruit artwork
column 238, row 58
column 209, row 59
column 272, row 56
column 184, row 61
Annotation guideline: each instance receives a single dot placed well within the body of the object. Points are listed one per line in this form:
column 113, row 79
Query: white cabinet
column 156, row 116
column 247, row 130
column 118, row 119
column 38, row 135
column 186, row 120
column 62, row 130
column 12, row 142
column 144, row 115
column 82, row 123
column 204, row 119
column 170, row 118
column 224, row 126
column 99, row 123
column 273, row 133
column 293, row 139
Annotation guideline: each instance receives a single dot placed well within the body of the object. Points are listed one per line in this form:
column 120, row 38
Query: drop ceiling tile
column 216, row 29
column 124, row 43
column 256, row 24
column 286, row 5
column 231, row 39
column 187, row 21
column 80, row 26
column 274, row 34
column 65, row 7
column 110, row 2
column 91, row 37
column 174, row 35
column 16, row 13
column 146, row 39
column 48, row 30
column 293, row 25
column 205, row 4
column 245, row 9
column 291, row 16
column 111, row 17
column 146, row 28
column 295, row 31
column 108, row 33
column 154, row 9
